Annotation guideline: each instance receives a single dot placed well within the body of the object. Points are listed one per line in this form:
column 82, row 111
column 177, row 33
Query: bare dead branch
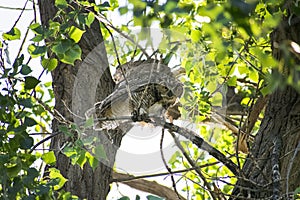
column 254, row 114
column 148, row 186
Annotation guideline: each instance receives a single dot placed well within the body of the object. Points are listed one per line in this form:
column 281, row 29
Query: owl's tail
column 109, row 117
column 101, row 122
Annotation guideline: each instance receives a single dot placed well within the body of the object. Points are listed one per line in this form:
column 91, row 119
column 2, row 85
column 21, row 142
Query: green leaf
column 170, row 6
column 26, row 102
column 30, row 82
column 99, row 152
column 37, row 28
column 49, row 63
column 216, row 100
column 65, row 130
column 253, row 75
column 13, row 171
column 151, row 197
column 13, row 34
column 175, row 157
column 138, row 4
column 25, row 70
column 212, row 86
column 72, row 55
column 92, row 160
column 49, row 158
column 195, row 35
column 37, row 38
column 26, row 142
column 75, row 33
column 67, row 51
column 89, row 122
column 29, row 121
column 81, row 159
column 62, row 46
column 69, row 152
column 245, row 101
column 124, row 198
column 232, row 81
column 297, row 193
column 55, row 174
column 137, row 197
column 32, row 173
column 266, row 90
column 102, row 7
column 36, row 51
column 243, row 69
column 19, row 61
column 123, row 10
column 188, row 65
column 90, row 19
column 105, row 4
column 61, row 3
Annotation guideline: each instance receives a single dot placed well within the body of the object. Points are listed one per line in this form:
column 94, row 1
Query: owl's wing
column 141, row 88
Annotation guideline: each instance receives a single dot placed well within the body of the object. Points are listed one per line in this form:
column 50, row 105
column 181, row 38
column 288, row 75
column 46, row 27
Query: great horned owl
column 143, row 88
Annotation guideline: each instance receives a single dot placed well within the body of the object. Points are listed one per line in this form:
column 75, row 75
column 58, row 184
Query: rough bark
column 273, row 162
column 84, row 183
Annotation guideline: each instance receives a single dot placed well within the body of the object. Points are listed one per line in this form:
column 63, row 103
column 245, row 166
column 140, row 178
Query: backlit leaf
column 13, row 34
column 61, row 3
column 36, row 51
column 55, row 174
column 49, row 63
column 75, row 33
column 90, row 19
column 49, row 158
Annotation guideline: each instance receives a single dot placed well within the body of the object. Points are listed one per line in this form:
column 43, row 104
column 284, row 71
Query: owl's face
column 169, row 95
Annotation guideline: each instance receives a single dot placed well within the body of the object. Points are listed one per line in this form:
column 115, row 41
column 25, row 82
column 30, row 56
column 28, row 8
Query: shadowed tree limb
column 200, row 143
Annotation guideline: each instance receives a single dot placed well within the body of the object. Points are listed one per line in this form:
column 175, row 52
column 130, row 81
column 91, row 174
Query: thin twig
column 34, row 11
column 164, row 173
column 192, row 163
column 12, row 8
column 119, row 63
column 165, row 162
column 23, row 42
column 105, row 21
column 19, row 17
column 43, row 140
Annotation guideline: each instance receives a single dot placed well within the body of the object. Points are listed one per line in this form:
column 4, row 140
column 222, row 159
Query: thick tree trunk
column 84, row 183
column 272, row 166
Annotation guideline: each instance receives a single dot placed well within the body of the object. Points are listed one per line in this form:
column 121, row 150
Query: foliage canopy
column 227, row 47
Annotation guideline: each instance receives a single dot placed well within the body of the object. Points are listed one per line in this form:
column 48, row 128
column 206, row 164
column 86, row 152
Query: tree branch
column 200, row 143
column 193, row 164
column 148, row 186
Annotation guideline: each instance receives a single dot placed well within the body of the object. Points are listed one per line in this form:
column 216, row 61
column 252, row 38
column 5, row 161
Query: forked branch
column 200, row 143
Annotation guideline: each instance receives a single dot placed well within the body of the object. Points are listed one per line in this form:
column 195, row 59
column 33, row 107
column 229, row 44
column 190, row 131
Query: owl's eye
column 170, row 93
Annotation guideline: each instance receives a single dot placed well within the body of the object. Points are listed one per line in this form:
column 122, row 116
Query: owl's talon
column 138, row 118
column 134, row 116
column 145, row 117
